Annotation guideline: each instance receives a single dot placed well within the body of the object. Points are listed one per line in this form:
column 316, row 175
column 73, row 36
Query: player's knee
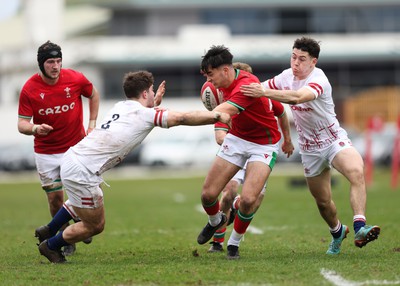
column 98, row 228
column 355, row 175
column 359, row 175
column 207, row 197
column 247, row 203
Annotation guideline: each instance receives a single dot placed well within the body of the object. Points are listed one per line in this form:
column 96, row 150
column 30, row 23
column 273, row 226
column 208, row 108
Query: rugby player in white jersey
column 125, row 126
column 323, row 142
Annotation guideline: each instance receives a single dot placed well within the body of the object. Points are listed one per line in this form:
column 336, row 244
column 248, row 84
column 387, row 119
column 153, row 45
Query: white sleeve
column 318, row 85
column 273, row 83
column 156, row 117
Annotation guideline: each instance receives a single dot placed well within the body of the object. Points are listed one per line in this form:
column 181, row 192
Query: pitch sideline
column 337, row 280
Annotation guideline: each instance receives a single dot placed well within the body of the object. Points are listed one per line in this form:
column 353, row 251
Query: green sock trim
column 245, row 217
column 212, row 204
column 219, row 235
column 54, row 189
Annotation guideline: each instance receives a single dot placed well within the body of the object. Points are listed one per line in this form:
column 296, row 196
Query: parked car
column 133, row 158
column 17, row 157
column 179, row 147
column 188, row 146
column 382, row 144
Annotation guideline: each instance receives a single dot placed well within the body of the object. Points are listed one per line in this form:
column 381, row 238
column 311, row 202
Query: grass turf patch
column 152, row 226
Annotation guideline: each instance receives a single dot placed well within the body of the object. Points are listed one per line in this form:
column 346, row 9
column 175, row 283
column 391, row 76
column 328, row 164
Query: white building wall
column 44, row 19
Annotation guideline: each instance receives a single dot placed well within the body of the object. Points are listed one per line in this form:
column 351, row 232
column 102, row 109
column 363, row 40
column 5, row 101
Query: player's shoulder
column 71, row 73
column 129, row 106
column 318, row 72
column 34, row 80
column 318, row 75
column 287, row 73
column 245, row 76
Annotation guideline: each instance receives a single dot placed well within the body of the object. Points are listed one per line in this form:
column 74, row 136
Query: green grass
column 151, row 231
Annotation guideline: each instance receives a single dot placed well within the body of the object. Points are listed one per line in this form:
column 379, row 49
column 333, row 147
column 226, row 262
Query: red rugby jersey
column 256, row 121
column 59, row 106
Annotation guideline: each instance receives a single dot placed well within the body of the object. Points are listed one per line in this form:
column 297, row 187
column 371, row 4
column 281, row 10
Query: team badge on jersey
column 67, row 90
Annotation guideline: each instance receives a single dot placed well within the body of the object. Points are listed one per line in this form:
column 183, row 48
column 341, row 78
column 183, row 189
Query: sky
column 8, row 8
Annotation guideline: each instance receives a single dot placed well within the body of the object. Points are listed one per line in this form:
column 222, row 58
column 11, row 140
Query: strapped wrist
column 34, row 128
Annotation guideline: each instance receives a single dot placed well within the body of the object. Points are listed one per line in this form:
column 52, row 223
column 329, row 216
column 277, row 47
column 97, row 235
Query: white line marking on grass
column 179, row 198
column 254, row 230
column 338, row 280
column 199, row 208
column 275, row 228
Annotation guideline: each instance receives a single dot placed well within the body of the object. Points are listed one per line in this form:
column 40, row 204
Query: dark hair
column 215, row 57
column 307, row 45
column 47, row 51
column 136, row 82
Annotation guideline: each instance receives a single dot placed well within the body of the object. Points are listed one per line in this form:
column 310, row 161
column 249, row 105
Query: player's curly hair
column 307, row 45
column 135, row 83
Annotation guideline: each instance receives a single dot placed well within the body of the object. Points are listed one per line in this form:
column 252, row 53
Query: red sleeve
column 24, row 107
column 87, row 86
column 221, row 126
column 278, row 108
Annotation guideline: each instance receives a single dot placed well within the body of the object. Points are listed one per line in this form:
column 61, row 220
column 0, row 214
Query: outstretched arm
column 194, row 118
column 285, row 96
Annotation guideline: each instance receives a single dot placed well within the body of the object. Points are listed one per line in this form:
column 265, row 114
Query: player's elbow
column 219, row 140
column 21, row 128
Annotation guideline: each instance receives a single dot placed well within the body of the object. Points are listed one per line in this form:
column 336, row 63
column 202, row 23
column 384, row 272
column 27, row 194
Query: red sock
column 212, row 209
column 219, row 235
column 241, row 222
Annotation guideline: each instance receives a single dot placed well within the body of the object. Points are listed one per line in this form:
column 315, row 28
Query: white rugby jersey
column 125, row 126
column 315, row 120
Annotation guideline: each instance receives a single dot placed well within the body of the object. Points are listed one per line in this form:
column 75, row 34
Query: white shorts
column 239, row 177
column 48, row 167
column 238, row 151
column 82, row 187
column 314, row 162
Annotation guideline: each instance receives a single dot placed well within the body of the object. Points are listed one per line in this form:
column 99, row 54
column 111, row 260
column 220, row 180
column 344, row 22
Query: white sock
column 336, row 228
column 215, row 219
column 235, row 238
column 359, row 217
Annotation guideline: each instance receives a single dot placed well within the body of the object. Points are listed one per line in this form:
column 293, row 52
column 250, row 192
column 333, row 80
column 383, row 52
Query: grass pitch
column 152, row 226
